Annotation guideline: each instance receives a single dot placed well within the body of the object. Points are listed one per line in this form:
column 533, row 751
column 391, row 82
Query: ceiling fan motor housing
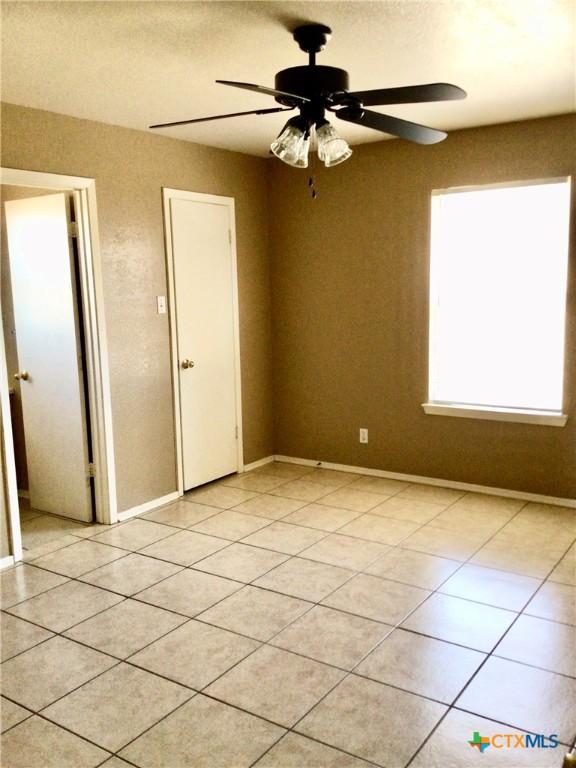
column 316, row 82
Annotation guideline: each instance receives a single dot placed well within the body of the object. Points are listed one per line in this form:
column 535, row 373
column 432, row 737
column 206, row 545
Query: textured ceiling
column 136, row 63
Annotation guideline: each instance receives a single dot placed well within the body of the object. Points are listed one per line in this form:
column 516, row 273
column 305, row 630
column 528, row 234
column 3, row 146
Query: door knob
column 21, row 375
column 187, row 363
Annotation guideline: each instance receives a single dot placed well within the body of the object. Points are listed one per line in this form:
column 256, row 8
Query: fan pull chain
column 311, row 183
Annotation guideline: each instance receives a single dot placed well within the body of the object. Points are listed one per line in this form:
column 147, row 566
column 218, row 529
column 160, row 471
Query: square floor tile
column 64, row 606
column 524, row 697
column 380, row 485
column 39, row 530
column 281, row 537
column 11, row 714
column 462, row 516
column 421, row 665
column 372, row 721
column 381, row 529
column 306, row 579
column 189, row 592
column 331, row 636
column 241, row 562
column 322, row 517
column 345, row 551
column 434, row 493
column 408, row 509
column 449, row 746
column 556, row 602
column 255, row 612
column 29, row 555
column 181, row 514
column 135, row 534
column 36, row 743
column 416, row 568
column 378, row 599
column 50, row 670
column 194, row 654
column 565, row 571
column 205, row 734
column 285, row 469
column 88, row 531
column 230, row 525
column 219, row 496
column 131, row 574
column 271, row 507
column 461, row 621
column 486, row 585
column 331, row 478
column 518, row 555
column 185, row 547
column 79, row 558
column 25, row 581
column 545, row 644
column 275, row 684
column 354, row 499
column 482, row 502
column 250, row 481
column 125, row 628
column 295, row 751
column 118, row 706
column 301, row 489
column 18, row 635
column 455, row 545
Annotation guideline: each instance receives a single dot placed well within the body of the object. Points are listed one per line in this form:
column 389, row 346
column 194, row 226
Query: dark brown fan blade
column 410, row 94
column 393, row 125
column 268, row 91
column 221, row 117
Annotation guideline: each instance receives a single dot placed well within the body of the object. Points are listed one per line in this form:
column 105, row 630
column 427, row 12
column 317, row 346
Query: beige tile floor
column 293, row 618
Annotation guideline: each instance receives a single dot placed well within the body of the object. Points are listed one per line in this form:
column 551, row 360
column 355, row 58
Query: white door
column 206, row 344
column 48, row 341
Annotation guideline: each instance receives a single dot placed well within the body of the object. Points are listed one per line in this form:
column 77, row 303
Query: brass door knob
column 187, row 363
column 21, row 375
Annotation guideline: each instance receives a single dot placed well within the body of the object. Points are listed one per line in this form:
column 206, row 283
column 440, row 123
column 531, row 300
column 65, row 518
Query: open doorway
column 57, row 440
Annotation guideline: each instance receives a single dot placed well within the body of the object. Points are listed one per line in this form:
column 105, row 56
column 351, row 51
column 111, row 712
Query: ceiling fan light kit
column 315, row 90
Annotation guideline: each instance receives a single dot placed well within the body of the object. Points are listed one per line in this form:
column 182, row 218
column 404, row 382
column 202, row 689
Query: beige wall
column 349, row 291
column 350, row 288
column 130, row 168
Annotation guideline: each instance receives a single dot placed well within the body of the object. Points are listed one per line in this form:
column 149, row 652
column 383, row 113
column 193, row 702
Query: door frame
column 98, row 374
column 169, row 194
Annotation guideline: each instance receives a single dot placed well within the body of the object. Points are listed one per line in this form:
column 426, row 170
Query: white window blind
column 499, row 259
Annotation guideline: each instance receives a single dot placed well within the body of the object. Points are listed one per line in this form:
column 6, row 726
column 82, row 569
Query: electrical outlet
column 363, row 435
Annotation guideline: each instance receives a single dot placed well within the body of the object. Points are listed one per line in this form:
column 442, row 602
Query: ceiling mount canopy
column 315, row 90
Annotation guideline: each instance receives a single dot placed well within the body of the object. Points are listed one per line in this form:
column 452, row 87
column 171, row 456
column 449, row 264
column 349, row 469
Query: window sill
column 546, row 418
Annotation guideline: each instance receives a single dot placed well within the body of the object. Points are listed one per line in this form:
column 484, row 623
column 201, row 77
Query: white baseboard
column 470, row 487
column 259, row 463
column 147, row 506
column 6, row 562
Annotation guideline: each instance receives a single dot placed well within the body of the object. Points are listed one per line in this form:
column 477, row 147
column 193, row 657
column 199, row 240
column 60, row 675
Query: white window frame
column 491, row 413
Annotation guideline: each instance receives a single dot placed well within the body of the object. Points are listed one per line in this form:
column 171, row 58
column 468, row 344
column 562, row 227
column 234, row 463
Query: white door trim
column 199, row 197
column 84, row 191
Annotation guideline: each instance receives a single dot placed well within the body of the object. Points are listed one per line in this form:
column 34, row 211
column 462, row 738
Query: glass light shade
column 292, row 146
column 331, row 148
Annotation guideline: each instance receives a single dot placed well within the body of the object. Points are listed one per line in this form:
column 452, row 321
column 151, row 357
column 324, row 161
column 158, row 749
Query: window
column 499, row 261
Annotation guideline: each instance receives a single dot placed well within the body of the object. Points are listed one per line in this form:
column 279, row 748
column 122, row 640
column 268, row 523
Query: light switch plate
column 161, row 304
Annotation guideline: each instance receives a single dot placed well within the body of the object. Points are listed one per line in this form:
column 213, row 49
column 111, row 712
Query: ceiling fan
column 315, row 90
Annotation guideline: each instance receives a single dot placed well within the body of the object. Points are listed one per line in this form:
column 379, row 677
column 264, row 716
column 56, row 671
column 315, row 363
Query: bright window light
column 499, row 262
